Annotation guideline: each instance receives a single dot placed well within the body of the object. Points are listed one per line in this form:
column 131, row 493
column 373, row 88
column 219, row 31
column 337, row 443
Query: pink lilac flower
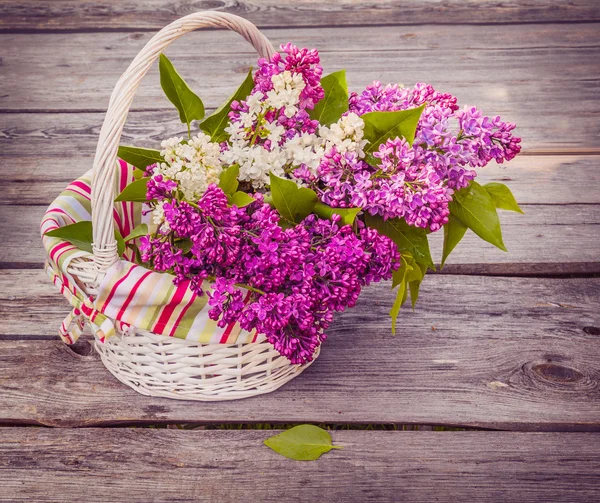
column 295, row 278
column 303, row 61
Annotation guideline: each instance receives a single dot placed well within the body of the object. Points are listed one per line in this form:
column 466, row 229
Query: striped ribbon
column 129, row 294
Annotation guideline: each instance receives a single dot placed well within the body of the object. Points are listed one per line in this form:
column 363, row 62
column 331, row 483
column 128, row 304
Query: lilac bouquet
column 295, row 194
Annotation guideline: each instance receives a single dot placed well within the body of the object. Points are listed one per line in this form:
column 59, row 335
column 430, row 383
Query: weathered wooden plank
column 534, row 179
column 548, row 239
column 80, row 71
column 154, row 14
column 65, row 135
column 233, row 466
column 507, row 353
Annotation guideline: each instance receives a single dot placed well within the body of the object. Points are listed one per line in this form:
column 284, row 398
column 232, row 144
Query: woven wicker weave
column 153, row 364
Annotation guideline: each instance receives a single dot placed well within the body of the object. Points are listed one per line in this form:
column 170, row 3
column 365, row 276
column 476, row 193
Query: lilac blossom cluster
column 284, row 283
column 287, row 282
column 415, row 182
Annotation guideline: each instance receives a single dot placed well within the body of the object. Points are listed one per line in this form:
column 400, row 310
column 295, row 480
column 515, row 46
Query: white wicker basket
column 158, row 365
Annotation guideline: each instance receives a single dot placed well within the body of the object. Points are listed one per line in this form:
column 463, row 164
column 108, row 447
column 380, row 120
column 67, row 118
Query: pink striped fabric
column 129, row 295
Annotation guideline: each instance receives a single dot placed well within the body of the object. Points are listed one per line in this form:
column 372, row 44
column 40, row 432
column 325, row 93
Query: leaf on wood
column 302, row 443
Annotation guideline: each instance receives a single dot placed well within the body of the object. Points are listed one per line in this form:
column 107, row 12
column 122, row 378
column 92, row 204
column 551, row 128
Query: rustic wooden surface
column 518, row 352
column 200, row 466
column 464, row 358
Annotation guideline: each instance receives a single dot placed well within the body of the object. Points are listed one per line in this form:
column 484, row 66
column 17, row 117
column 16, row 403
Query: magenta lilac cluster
column 416, row 182
column 295, row 278
column 305, row 62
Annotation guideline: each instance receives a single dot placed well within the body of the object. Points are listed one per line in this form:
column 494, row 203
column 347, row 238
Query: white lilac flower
column 346, row 135
column 194, row 164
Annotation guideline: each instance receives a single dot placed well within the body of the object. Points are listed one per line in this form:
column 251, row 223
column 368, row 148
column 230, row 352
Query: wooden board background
column 498, row 341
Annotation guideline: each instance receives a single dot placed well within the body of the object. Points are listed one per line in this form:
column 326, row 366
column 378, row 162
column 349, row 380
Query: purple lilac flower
column 449, row 139
column 160, row 188
column 414, row 182
column 296, row 277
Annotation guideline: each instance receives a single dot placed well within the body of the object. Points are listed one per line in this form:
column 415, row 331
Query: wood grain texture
column 506, row 353
column 100, row 465
column 80, row 70
column 154, row 14
column 548, row 239
column 533, row 179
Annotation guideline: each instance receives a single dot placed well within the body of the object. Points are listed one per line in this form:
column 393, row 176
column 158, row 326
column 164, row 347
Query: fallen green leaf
column 302, row 443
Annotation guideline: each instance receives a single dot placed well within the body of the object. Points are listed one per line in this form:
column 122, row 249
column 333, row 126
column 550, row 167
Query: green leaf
column 135, row 191
column 240, row 199
column 228, row 181
column 141, row 158
column 454, row 231
column 408, row 277
column 138, row 173
column 415, row 284
column 215, row 124
column 140, row 230
column 78, row 234
column 502, row 197
column 184, row 244
column 381, row 126
column 293, row 203
column 302, row 443
column 400, row 279
column 190, row 106
column 81, row 235
column 348, row 214
column 120, row 243
column 408, row 238
column 475, row 208
column 335, row 102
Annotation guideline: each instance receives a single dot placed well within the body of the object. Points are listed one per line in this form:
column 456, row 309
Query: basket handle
column 105, row 161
